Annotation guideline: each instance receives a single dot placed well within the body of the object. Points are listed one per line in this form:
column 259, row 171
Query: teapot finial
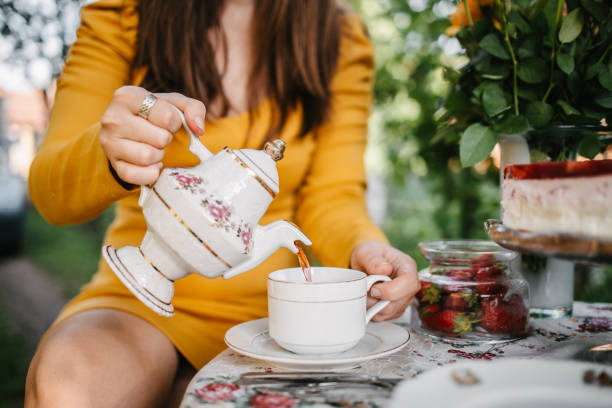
column 275, row 148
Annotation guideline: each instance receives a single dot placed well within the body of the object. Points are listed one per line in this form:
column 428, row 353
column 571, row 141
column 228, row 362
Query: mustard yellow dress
column 322, row 178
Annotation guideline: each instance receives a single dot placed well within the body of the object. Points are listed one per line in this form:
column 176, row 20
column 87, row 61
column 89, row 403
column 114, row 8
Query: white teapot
column 204, row 220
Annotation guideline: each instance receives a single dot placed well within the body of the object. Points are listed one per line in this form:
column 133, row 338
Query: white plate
column 252, row 340
column 506, row 383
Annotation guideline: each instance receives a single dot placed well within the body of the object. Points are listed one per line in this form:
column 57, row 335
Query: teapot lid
column 263, row 162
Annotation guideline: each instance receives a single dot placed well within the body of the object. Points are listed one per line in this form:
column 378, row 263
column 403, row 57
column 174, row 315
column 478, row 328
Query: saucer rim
column 291, row 357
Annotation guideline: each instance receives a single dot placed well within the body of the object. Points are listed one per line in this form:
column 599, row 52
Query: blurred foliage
column 36, row 36
column 13, row 365
column 430, row 195
column 69, row 254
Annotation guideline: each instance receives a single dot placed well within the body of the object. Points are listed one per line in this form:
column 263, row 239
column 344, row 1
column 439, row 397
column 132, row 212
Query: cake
column 572, row 197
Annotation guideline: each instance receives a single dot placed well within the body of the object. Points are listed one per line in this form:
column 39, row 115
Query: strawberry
column 448, row 321
column 428, row 293
column 504, row 316
column 460, row 301
column 461, row 275
column 490, row 276
column 428, row 309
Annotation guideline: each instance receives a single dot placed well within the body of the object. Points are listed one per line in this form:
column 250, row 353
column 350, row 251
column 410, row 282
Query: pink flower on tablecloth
column 595, row 325
column 218, row 392
column 271, row 401
column 473, row 356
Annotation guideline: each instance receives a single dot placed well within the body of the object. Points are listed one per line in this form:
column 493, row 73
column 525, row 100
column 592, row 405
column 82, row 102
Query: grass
column 13, row 365
column 69, row 254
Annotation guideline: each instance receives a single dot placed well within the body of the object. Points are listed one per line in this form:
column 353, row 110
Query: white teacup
column 327, row 315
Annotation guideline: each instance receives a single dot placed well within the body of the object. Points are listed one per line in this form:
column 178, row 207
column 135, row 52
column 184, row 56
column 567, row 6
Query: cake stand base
column 550, row 312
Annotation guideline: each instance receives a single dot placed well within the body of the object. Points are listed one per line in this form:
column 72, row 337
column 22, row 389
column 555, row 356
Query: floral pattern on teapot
column 220, row 212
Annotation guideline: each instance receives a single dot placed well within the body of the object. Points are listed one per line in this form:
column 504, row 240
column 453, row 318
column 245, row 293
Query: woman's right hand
column 134, row 145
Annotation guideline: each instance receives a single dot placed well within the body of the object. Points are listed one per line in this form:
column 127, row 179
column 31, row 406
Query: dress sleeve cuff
column 124, row 184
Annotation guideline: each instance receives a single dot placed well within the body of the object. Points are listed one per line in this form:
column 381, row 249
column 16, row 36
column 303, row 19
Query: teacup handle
column 381, row 304
column 195, row 146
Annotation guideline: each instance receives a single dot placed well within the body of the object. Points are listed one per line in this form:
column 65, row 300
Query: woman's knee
column 100, row 356
column 59, row 374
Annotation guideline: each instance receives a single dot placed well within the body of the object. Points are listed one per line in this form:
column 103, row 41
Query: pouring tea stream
column 204, row 220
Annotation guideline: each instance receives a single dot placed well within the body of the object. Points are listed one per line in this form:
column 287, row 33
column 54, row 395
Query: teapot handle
column 195, row 146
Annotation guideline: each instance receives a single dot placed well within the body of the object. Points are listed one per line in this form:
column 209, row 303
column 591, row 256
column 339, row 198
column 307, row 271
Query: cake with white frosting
column 566, row 197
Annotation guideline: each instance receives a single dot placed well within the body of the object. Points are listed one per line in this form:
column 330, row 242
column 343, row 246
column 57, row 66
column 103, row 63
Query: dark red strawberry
column 428, row 293
column 484, row 259
column 448, row 321
column 501, row 316
column 461, row 301
column 490, row 278
column 461, row 275
column 428, row 309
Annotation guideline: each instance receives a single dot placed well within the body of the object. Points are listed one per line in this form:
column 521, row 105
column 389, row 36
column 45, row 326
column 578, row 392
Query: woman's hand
column 375, row 258
column 134, row 145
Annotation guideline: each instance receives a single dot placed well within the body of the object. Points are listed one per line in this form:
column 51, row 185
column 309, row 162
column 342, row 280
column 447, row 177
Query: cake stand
column 573, row 247
column 550, row 268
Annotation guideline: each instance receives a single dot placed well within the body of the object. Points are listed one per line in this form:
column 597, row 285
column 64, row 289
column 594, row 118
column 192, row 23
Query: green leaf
column 532, row 70
column 565, row 62
column 567, row 108
column 528, row 48
column 492, row 44
column 589, row 146
column 477, row 142
column 605, row 79
column 537, row 156
column 605, row 101
column 594, row 69
column 596, row 9
column 493, row 99
column 535, row 8
column 571, row 26
column 539, row 113
column 520, row 23
column 512, row 125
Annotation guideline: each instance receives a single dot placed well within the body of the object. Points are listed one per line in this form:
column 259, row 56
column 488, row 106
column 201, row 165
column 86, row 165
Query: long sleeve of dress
column 332, row 209
column 70, row 181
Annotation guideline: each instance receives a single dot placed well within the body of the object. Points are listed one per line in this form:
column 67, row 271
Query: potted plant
column 532, row 65
column 538, row 80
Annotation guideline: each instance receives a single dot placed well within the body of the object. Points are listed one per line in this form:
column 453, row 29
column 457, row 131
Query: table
column 563, row 338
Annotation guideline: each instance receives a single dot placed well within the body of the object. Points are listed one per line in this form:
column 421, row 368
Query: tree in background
column 430, row 195
column 36, row 35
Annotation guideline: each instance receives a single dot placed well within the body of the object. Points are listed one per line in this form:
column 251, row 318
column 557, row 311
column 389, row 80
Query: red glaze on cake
column 565, row 197
column 548, row 170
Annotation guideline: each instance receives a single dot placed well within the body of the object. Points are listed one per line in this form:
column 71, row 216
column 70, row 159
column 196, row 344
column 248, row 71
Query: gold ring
column 146, row 105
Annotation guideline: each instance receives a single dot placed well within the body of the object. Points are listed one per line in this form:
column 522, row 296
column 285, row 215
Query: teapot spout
column 267, row 240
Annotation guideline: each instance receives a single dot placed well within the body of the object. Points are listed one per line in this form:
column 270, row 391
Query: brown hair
column 296, row 44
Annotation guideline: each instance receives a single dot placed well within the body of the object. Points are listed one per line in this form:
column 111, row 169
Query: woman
column 246, row 71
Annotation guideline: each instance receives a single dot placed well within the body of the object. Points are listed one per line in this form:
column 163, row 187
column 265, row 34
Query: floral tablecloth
column 565, row 338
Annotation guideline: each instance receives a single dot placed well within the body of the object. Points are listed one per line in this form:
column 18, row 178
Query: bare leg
column 102, row 358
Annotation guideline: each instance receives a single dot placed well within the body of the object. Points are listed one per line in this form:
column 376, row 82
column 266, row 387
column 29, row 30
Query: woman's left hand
column 376, row 258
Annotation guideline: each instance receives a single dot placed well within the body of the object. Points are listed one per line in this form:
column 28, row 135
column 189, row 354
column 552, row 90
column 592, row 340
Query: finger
column 138, row 175
column 403, row 286
column 194, row 110
column 144, row 131
column 371, row 262
column 163, row 115
column 139, row 154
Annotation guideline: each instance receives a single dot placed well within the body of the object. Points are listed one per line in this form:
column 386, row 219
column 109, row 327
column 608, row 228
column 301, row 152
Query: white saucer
column 253, row 340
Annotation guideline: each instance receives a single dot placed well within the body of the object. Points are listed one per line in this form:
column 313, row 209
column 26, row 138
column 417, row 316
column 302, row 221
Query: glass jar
column 472, row 291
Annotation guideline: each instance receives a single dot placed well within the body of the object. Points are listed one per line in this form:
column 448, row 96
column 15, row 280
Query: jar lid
column 465, row 251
